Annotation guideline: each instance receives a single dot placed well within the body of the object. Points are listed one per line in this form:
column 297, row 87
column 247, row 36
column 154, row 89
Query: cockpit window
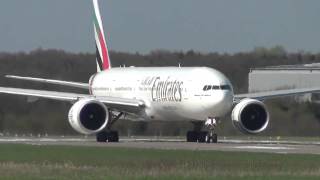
column 215, row 87
column 207, row 87
column 225, row 87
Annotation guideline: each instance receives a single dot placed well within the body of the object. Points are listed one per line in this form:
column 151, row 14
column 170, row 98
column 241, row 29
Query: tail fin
column 102, row 54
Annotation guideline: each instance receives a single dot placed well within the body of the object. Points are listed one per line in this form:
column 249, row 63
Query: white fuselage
column 169, row 93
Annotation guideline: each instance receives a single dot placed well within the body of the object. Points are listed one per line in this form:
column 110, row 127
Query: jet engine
column 250, row 116
column 88, row 116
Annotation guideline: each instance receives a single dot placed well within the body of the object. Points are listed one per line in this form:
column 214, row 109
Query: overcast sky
column 144, row 25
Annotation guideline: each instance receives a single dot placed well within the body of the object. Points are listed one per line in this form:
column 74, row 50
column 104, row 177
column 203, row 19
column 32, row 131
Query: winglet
column 102, row 54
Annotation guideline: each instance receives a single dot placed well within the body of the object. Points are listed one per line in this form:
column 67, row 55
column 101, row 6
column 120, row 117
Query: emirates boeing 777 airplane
column 199, row 95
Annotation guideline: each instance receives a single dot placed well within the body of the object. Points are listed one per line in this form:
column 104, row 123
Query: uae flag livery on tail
column 102, row 54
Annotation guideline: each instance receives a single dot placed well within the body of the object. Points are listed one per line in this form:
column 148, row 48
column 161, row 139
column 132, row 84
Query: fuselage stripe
column 102, row 43
column 98, row 59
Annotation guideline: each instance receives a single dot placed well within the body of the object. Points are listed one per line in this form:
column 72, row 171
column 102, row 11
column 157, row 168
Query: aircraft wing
column 275, row 94
column 51, row 81
column 119, row 104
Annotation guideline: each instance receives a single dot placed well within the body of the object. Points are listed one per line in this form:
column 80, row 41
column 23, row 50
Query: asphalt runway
column 280, row 147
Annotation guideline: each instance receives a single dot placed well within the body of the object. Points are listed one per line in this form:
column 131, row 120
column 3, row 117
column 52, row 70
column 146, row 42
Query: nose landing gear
column 203, row 136
column 211, row 136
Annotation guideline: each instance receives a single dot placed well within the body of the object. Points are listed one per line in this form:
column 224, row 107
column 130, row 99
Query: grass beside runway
column 71, row 162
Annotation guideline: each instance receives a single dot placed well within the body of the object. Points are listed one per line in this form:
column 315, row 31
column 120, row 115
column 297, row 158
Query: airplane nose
column 221, row 104
column 227, row 99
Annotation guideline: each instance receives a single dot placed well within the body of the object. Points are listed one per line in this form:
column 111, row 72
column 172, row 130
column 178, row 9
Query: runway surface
column 281, row 147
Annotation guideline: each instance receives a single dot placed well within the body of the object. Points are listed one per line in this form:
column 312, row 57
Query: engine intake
column 88, row 116
column 250, row 116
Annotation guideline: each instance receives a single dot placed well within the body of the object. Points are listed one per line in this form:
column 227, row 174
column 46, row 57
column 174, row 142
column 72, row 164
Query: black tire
column 202, row 136
column 208, row 138
column 113, row 136
column 192, row 136
column 102, row 136
column 215, row 138
column 211, row 139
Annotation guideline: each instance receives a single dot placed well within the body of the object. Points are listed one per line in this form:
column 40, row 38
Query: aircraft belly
column 172, row 111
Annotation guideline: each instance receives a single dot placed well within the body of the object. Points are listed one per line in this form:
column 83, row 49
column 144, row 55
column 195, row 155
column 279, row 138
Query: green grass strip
column 72, row 162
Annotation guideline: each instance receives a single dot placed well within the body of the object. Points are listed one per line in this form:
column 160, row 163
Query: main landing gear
column 203, row 136
column 108, row 135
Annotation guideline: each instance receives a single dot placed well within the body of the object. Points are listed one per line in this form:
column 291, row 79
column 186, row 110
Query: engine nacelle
column 88, row 116
column 250, row 116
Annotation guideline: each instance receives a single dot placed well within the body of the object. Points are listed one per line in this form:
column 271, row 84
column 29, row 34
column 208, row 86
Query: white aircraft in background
column 199, row 95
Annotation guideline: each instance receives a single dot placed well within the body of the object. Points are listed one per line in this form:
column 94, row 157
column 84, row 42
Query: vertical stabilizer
column 102, row 54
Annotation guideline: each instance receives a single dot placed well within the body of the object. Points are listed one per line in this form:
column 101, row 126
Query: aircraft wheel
column 102, row 136
column 113, row 136
column 192, row 136
column 208, row 138
column 211, row 139
column 215, row 138
column 107, row 136
column 202, row 136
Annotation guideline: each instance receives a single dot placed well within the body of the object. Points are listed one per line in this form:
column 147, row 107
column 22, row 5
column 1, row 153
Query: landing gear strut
column 108, row 135
column 203, row 136
column 211, row 136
